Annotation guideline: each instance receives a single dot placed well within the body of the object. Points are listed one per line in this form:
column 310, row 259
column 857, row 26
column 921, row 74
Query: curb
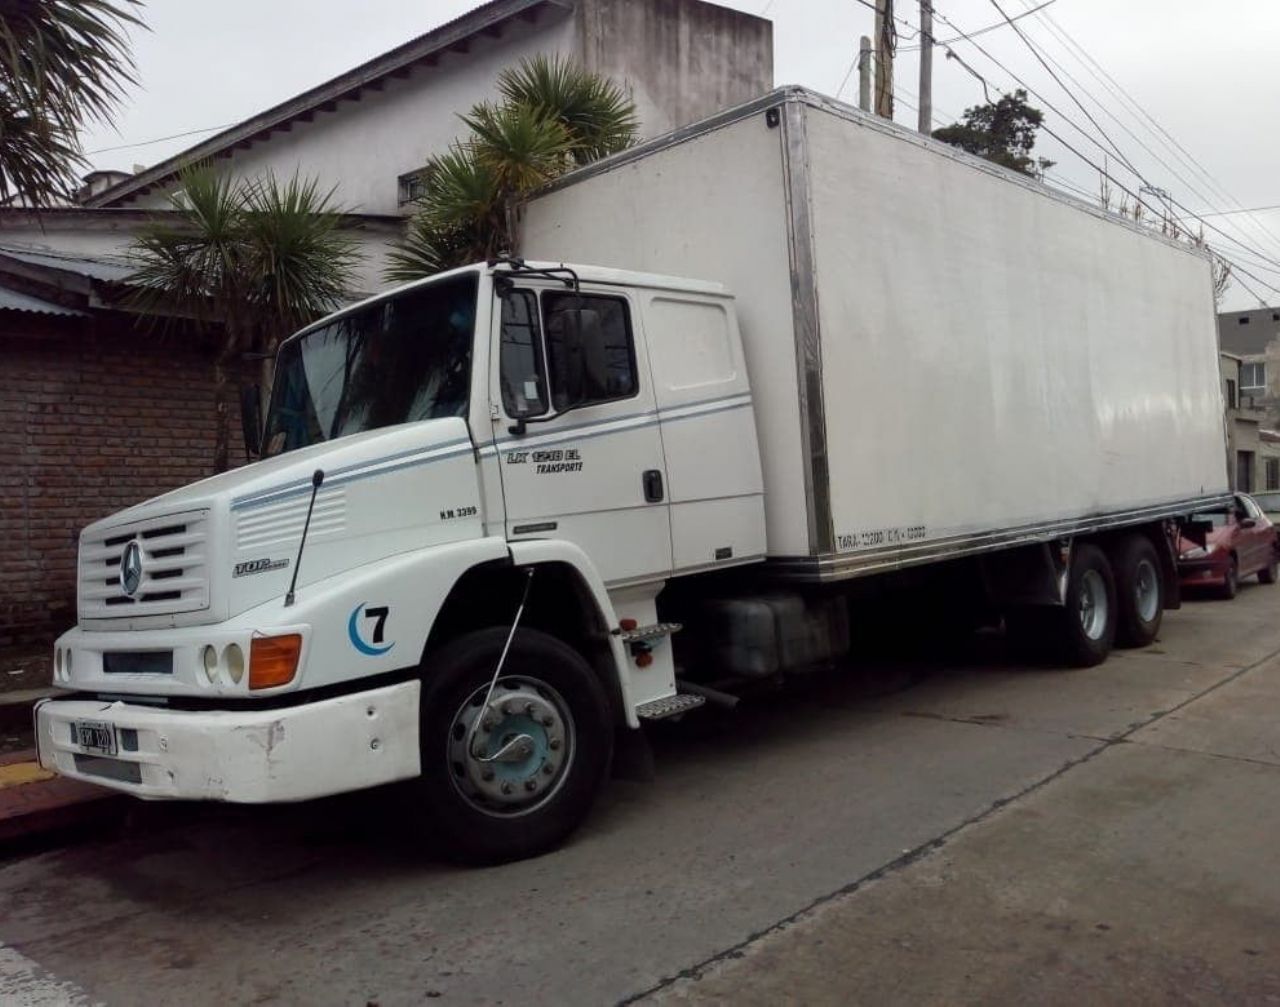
column 35, row 803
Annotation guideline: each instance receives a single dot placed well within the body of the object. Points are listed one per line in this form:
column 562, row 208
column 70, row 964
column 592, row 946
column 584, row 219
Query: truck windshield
column 402, row 359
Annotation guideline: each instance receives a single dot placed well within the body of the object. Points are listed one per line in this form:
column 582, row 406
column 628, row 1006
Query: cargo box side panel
column 996, row 358
column 710, row 207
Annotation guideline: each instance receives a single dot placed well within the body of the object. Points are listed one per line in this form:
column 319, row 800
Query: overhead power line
column 1128, row 103
column 1249, row 209
column 160, row 139
column 981, row 31
column 1157, row 213
column 1118, row 91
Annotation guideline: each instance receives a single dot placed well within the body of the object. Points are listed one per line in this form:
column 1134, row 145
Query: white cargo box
column 945, row 357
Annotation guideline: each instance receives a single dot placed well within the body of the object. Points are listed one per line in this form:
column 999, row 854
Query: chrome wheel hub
column 511, row 756
column 1146, row 589
column 1093, row 604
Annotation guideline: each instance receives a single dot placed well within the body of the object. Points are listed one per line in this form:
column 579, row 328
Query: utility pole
column 884, row 58
column 864, row 74
column 926, row 67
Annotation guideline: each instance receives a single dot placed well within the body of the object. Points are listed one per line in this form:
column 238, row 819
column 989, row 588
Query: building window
column 1242, row 320
column 1244, row 471
column 1253, row 378
column 1231, row 394
column 411, row 187
column 1273, row 473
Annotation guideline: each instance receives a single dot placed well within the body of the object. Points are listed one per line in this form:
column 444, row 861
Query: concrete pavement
column 990, row 834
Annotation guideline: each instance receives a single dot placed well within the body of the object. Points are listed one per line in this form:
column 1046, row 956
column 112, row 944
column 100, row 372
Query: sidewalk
column 1147, row 873
column 25, row 675
column 34, row 802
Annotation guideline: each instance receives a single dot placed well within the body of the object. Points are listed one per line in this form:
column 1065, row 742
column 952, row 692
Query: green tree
column 1003, row 131
column 63, row 63
column 254, row 261
column 551, row 116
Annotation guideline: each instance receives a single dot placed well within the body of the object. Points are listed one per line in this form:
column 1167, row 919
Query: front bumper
column 244, row 756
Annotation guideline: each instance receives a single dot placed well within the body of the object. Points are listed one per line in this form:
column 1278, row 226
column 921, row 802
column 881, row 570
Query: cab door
column 576, row 428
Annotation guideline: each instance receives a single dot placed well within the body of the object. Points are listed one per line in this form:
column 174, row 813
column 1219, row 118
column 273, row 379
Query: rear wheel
column 1231, row 579
column 1139, row 592
column 1086, row 626
column 513, row 777
column 1267, row 575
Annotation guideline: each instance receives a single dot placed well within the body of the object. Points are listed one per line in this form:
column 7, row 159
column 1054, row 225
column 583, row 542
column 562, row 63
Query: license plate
column 95, row 736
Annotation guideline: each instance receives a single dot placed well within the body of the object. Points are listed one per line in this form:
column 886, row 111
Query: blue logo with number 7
column 378, row 618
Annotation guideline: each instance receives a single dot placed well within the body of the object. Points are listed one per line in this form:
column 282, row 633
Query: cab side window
column 591, row 354
column 520, row 364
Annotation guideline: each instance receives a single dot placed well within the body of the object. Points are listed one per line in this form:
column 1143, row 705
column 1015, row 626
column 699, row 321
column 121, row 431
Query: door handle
column 652, row 486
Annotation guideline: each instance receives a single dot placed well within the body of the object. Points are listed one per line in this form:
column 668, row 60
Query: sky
column 1201, row 76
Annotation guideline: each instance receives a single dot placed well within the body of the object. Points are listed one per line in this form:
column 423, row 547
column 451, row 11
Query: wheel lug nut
column 506, row 788
column 486, row 724
column 487, row 775
column 528, row 709
column 548, row 769
column 508, row 709
column 530, row 785
column 548, row 720
column 554, row 744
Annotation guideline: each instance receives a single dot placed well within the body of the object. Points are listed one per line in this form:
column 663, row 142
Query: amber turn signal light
column 273, row 660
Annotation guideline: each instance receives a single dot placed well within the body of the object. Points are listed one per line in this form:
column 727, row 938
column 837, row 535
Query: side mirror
column 251, row 419
column 1248, row 522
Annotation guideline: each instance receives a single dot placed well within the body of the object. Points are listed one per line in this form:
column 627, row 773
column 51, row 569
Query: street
column 967, row 831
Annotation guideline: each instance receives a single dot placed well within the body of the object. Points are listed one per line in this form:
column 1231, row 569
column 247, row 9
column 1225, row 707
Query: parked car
column 1242, row 542
column 1270, row 504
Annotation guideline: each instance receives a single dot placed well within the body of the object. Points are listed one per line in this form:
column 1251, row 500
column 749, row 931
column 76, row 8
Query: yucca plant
column 595, row 112
column 63, row 63
column 553, row 116
column 252, row 260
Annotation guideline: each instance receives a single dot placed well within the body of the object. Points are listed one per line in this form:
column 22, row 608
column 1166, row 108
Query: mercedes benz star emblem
column 131, row 567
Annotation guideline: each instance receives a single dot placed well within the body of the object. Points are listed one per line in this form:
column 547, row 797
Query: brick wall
column 94, row 416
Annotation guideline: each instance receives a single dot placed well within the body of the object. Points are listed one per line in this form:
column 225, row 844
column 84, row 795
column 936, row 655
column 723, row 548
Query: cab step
column 642, row 633
column 668, row 706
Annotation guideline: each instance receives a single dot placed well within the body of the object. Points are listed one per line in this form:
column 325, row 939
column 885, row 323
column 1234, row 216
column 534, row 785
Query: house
column 367, row 131
column 1254, row 337
column 1253, row 449
column 98, row 410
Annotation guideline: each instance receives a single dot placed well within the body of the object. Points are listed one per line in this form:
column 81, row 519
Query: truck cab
column 442, row 569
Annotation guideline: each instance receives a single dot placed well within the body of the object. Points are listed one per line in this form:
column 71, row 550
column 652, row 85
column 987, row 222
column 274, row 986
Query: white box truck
column 488, row 500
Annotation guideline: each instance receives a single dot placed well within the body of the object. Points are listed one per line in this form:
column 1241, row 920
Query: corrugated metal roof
column 11, row 300
column 112, row 270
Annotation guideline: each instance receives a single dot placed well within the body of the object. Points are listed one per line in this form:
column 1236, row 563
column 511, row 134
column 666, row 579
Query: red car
column 1242, row 542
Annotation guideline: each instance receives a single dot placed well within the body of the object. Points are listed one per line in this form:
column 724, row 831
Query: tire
column 1086, row 626
column 1230, row 580
column 1267, row 575
column 550, row 702
column 1139, row 591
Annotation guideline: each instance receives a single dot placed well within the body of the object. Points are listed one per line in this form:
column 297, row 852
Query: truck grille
column 175, row 570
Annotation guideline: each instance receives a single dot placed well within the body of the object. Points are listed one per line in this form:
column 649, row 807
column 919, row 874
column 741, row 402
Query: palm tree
column 553, row 116
column 62, row 64
column 254, row 260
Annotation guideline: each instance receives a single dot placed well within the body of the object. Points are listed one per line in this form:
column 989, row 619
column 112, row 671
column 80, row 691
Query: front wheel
column 515, row 777
column 1231, row 579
